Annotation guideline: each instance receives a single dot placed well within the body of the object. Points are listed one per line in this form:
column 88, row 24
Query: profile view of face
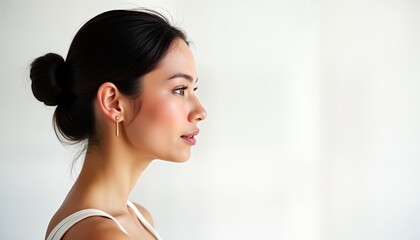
column 167, row 122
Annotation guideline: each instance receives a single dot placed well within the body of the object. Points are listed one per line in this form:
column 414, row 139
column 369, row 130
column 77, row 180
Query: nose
column 198, row 113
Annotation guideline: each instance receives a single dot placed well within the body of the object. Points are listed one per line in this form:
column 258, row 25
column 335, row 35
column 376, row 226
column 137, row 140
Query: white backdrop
column 313, row 129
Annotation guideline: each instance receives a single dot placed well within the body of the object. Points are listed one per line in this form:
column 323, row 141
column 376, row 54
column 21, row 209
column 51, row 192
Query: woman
column 126, row 88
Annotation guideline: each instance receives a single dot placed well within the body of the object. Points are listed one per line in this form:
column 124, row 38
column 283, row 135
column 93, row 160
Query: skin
column 112, row 166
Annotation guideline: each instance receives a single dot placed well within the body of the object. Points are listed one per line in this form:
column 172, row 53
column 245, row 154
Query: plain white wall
column 312, row 131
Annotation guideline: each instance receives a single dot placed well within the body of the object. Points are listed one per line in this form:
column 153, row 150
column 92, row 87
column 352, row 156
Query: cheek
column 158, row 125
column 163, row 112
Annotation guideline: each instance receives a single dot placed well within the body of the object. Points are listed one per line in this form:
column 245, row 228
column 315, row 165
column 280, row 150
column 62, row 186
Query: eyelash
column 183, row 88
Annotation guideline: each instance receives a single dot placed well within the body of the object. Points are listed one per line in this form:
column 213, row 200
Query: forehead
column 179, row 59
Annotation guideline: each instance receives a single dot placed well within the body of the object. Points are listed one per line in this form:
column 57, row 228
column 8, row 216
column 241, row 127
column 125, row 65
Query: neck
column 109, row 174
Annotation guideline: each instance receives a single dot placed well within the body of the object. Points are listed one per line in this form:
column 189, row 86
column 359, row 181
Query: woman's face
column 166, row 124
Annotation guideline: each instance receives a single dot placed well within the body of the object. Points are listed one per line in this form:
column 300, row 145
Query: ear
column 109, row 101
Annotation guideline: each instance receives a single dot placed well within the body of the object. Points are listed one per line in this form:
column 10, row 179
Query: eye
column 181, row 90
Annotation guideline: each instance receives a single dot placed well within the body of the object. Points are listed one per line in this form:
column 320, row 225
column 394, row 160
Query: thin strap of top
column 58, row 232
column 145, row 223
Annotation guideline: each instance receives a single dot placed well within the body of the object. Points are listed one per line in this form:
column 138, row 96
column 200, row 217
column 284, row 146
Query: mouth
column 190, row 138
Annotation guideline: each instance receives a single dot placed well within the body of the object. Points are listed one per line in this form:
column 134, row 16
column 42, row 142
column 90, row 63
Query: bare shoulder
column 98, row 228
column 145, row 213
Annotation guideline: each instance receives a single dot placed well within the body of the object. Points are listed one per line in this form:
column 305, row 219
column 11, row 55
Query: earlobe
column 109, row 102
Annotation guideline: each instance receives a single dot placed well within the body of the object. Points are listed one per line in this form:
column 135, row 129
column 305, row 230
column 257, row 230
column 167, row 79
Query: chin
column 178, row 158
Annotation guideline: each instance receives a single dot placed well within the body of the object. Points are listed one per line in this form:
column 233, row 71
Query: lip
column 190, row 138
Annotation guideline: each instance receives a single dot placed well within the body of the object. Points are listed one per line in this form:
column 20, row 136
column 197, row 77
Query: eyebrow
column 183, row 75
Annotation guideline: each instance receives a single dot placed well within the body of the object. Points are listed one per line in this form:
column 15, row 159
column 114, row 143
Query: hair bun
column 48, row 73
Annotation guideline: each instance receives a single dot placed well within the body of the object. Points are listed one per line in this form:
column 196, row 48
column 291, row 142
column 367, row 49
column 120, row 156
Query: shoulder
column 145, row 213
column 99, row 228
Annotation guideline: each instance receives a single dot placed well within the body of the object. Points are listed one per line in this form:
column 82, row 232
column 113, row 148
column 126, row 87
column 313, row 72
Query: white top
column 61, row 228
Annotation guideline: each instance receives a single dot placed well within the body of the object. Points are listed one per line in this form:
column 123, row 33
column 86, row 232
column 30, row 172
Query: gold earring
column 117, row 130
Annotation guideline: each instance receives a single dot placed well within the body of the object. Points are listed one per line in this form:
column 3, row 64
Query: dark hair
column 118, row 46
